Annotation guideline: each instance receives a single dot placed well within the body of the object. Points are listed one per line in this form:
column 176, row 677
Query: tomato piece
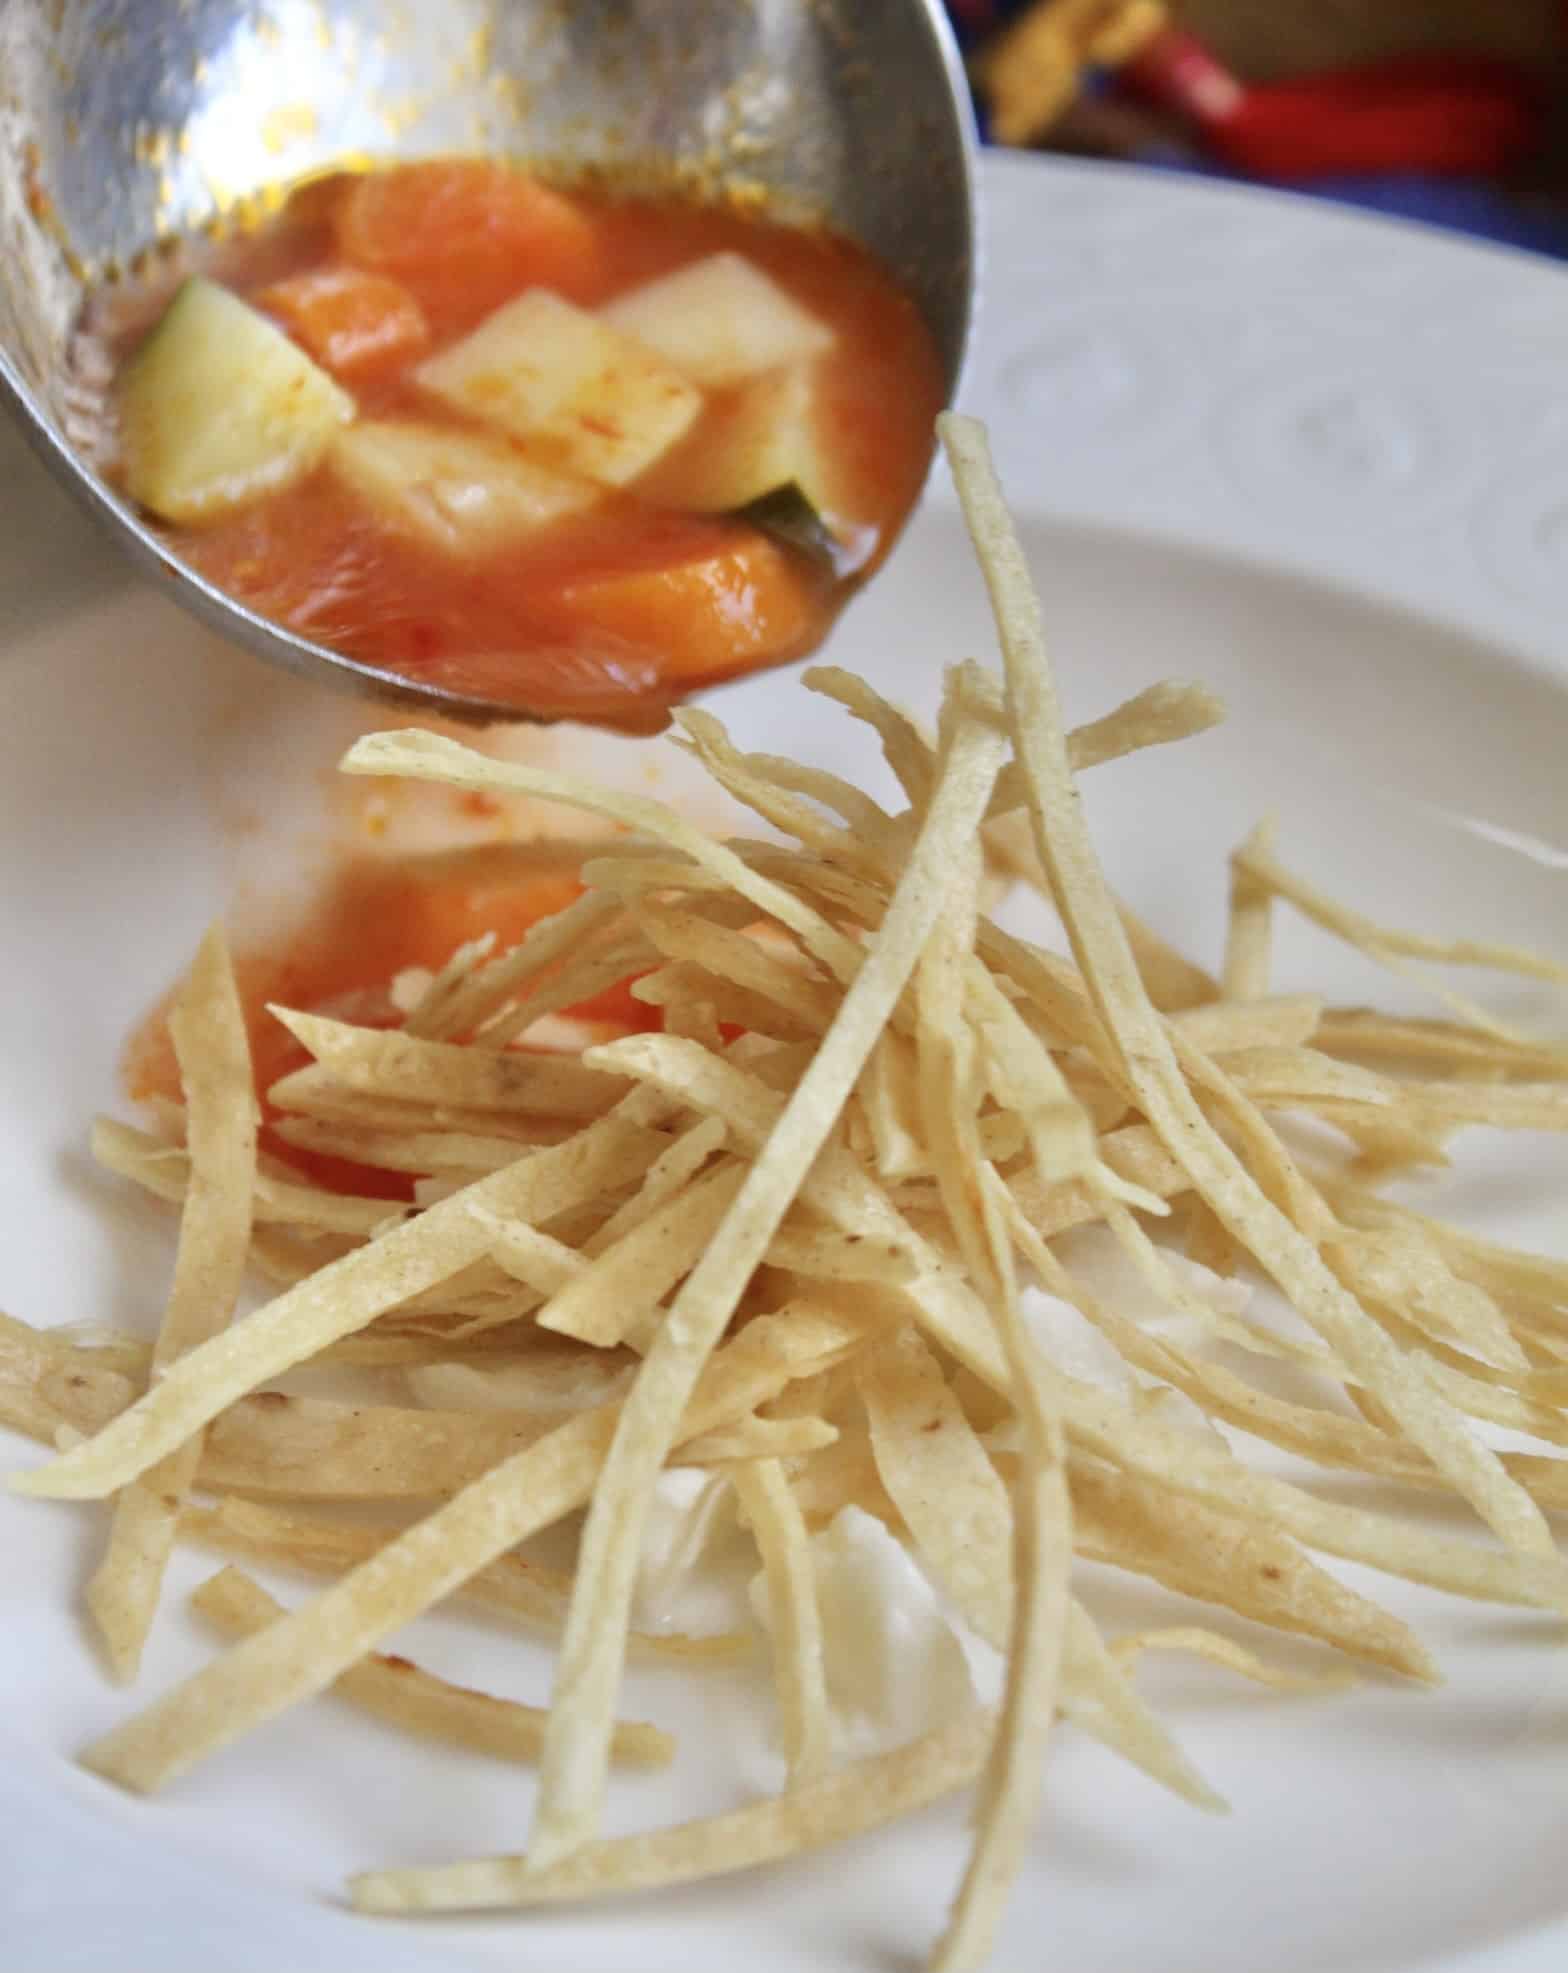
column 721, row 609
column 465, row 234
column 356, row 324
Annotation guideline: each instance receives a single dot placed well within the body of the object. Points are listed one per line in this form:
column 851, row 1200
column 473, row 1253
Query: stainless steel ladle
column 124, row 123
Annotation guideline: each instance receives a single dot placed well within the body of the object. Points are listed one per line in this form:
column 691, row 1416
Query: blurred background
column 1450, row 111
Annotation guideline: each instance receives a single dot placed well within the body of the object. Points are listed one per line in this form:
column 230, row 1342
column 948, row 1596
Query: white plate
column 1317, row 460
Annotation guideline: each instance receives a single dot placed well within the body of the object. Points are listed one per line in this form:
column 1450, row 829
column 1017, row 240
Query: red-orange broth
column 374, row 917
column 613, row 613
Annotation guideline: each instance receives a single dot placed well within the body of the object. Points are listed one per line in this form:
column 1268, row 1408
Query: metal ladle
column 124, row 123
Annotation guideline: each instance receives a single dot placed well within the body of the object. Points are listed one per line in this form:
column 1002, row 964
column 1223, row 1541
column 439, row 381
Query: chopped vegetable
column 465, row 233
column 582, row 395
column 766, row 436
column 743, row 602
column 789, row 517
column 359, row 326
column 720, row 321
column 459, row 491
column 219, row 407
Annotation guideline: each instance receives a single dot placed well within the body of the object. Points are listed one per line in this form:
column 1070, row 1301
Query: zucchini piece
column 461, row 492
column 766, row 435
column 581, row 396
column 790, row 519
column 720, row 321
column 218, row 407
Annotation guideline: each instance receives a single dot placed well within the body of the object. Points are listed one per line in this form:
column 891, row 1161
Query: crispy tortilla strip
column 1257, row 857
column 1099, row 1696
column 432, row 757
column 269, row 1443
column 754, row 781
column 390, row 1062
column 164, row 1170
column 1238, row 1564
column 405, row 1695
column 759, row 1438
column 833, row 1808
column 678, row 988
column 1183, row 1463
column 671, row 1172
column 1249, row 934
column 1168, row 711
column 530, row 1491
column 541, row 948
column 578, row 979
column 608, row 1299
column 1280, row 1021
column 342, row 1298
column 949, row 1055
column 1100, row 946
column 511, row 1586
column 207, row 1027
column 799, row 1673
column 1361, row 1032
column 818, row 1254
column 572, row 1776
column 1217, row 1649
column 764, row 970
column 467, row 1154
column 936, row 1471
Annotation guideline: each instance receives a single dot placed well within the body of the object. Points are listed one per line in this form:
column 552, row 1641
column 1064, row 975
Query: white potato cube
column 459, row 491
column 578, row 393
column 720, row 321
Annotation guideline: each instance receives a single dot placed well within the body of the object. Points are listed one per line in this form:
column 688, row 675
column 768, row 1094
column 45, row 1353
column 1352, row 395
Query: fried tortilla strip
column 1394, row 949
column 403, row 1694
column 1279, row 1021
column 1149, row 1062
column 344, row 1297
column 532, row 1490
column 839, row 1805
column 164, row 1170
column 936, row 1471
column 799, row 1672
column 1217, row 1649
column 572, row 1778
column 610, row 1295
column 207, row 1027
column 1249, row 934
column 432, row 757
column 390, row 1062
column 511, row 1586
column 1233, row 1562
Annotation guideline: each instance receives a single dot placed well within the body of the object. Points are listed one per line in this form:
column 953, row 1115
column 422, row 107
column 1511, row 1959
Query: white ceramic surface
column 1317, row 460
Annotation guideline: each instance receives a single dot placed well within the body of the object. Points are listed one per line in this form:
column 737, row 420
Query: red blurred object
column 1430, row 113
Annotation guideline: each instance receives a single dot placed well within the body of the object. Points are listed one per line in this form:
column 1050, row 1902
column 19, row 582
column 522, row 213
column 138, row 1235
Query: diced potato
column 720, row 321
column 581, row 395
column 459, row 491
column 767, row 436
column 218, row 407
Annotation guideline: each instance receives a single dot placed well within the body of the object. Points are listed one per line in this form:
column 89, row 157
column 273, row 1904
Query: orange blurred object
column 740, row 603
column 359, row 325
column 466, row 234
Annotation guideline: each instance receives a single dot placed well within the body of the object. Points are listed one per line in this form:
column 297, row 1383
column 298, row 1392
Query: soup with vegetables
column 568, row 451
